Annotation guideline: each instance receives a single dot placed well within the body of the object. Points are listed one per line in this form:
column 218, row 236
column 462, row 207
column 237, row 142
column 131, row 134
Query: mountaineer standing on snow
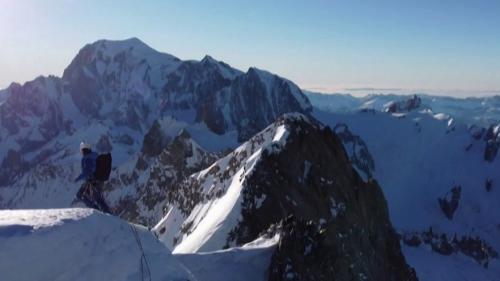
column 90, row 191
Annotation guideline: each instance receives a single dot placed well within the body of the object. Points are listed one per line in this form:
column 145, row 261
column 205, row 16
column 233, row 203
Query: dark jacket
column 88, row 166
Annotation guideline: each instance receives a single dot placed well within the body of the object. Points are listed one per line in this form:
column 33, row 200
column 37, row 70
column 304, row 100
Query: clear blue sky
column 327, row 45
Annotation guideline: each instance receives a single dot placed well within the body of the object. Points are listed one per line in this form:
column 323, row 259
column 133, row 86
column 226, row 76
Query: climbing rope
column 145, row 270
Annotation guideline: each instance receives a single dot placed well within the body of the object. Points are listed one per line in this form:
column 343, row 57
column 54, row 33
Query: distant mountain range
column 482, row 111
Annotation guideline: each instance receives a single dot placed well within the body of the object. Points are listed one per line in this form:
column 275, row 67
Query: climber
column 90, row 191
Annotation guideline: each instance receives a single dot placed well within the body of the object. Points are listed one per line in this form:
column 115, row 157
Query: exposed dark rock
column 477, row 249
column 154, row 141
column 404, row 106
column 356, row 148
column 179, row 159
column 491, row 150
column 488, row 184
column 304, row 253
column 442, row 246
column 492, row 139
column 412, row 240
column 449, row 203
column 473, row 247
column 13, row 166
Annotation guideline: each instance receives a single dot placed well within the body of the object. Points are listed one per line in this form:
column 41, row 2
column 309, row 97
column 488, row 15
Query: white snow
column 431, row 266
column 218, row 217
column 79, row 244
column 247, row 263
column 441, row 116
column 281, row 134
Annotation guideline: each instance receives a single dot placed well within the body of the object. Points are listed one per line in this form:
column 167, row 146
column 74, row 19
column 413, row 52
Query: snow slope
column 79, row 244
column 249, row 262
column 431, row 266
column 83, row 244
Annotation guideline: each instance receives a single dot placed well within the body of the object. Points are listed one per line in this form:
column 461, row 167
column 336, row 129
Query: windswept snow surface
column 431, row 266
column 79, row 244
column 83, row 244
column 247, row 263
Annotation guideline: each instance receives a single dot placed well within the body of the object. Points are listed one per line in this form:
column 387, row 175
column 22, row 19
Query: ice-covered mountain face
column 118, row 81
column 226, row 99
column 130, row 83
column 292, row 179
column 30, row 116
column 440, row 178
column 112, row 94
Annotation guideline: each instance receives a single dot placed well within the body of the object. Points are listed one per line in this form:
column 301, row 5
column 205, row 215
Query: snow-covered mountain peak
column 207, row 59
column 133, row 47
column 220, row 185
column 223, row 68
column 292, row 167
column 409, row 104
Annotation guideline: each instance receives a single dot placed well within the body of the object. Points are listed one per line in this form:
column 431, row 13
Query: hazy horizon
column 446, row 48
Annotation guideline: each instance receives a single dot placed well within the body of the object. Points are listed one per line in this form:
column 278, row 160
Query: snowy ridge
column 79, row 244
column 83, row 244
column 188, row 228
column 249, row 262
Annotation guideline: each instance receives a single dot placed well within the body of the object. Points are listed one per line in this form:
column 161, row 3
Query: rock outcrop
column 492, row 139
column 473, row 247
column 449, row 203
column 356, row 148
column 405, row 105
column 155, row 176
